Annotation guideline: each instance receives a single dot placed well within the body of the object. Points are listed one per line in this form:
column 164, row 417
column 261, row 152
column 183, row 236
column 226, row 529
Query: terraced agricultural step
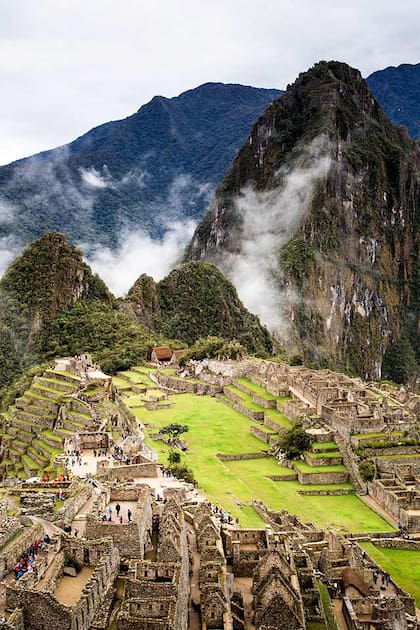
column 265, row 435
column 276, row 420
column 20, row 446
column 327, row 458
column 41, row 459
column 55, row 441
column 77, row 416
column 43, row 447
column 318, row 447
column 80, row 406
column 63, row 433
column 40, row 401
column 47, row 392
column 33, row 408
column 56, row 384
column 29, row 465
column 29, row 418
column 72, row 425
column 308, row 475
column 24, row 424
column 66, row 377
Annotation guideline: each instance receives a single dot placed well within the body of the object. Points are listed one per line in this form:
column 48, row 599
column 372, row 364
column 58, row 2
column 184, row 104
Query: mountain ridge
column 339, row 294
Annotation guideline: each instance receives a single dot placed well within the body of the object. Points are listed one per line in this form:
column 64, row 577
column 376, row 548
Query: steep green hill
column 195, row 300
column 53, row 305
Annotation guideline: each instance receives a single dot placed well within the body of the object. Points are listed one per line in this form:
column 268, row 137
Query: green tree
column 294, row 442
column 367, row 470
column 173, row 431
column 174, row 457
column 399, row 363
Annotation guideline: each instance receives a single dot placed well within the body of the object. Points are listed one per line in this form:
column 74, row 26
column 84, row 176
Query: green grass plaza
column 216, row 428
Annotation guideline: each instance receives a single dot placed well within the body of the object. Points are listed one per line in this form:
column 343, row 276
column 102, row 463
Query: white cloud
column 93, row 178
column 7, row 213
column 138, row 253
column 65, row 67
column 269, row 220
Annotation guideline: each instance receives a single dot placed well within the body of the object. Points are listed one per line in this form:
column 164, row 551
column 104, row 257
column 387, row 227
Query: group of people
column 383, row 576
column 100, row 452
column 404, row 532
column 119, row 518
column 26, row 561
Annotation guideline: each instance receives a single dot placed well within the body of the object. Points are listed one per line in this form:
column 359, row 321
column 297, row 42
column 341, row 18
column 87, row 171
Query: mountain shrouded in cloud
column 51, row 304
column 317, row 222
column 142, row 173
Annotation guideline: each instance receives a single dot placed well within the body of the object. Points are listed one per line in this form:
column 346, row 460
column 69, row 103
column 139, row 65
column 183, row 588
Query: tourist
column 3, row 621
column 110, row 513
column 129, row 515
column 121, row 520
column 117, row 509
column 76, row 532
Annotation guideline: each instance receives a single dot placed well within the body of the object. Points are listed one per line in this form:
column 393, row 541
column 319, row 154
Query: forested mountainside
column 154, row 167
column 195, row 300
column 320, row 214
column 51, row 304
column 398, row 91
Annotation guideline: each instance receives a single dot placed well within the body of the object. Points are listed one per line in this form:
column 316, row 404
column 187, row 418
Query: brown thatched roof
column 162, row 352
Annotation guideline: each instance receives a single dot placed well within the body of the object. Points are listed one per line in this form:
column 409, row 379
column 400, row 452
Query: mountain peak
column 317, row 215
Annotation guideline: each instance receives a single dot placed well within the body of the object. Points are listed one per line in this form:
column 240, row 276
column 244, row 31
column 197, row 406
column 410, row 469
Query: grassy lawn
column 343, row 512
column 260, row 391
column 278, row 417
column 245, row 398
column 217, row 428
column 403, row 566
column 324, row 446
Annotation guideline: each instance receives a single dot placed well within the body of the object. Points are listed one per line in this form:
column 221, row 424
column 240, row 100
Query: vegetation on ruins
column 213, row 348
column 174, row 431
column 367, row 470
column 293, row 442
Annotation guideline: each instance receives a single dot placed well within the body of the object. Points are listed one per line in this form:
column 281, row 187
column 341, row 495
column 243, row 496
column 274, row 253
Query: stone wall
column 257, row 416
column 233, row 458
column 322, row 478
column 79, row 495
column 322, row 461
column 264, row 436
column 12, row 551
column 131, row 539
column 132, row 471
column 42, row 610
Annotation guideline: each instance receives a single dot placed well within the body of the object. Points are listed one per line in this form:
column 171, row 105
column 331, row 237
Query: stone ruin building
column 174, row 565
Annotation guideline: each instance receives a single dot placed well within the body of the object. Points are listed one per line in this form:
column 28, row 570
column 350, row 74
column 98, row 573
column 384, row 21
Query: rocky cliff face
column 317, row 222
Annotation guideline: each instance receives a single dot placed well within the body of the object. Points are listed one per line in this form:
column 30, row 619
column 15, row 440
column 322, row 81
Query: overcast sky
column 69, row 65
